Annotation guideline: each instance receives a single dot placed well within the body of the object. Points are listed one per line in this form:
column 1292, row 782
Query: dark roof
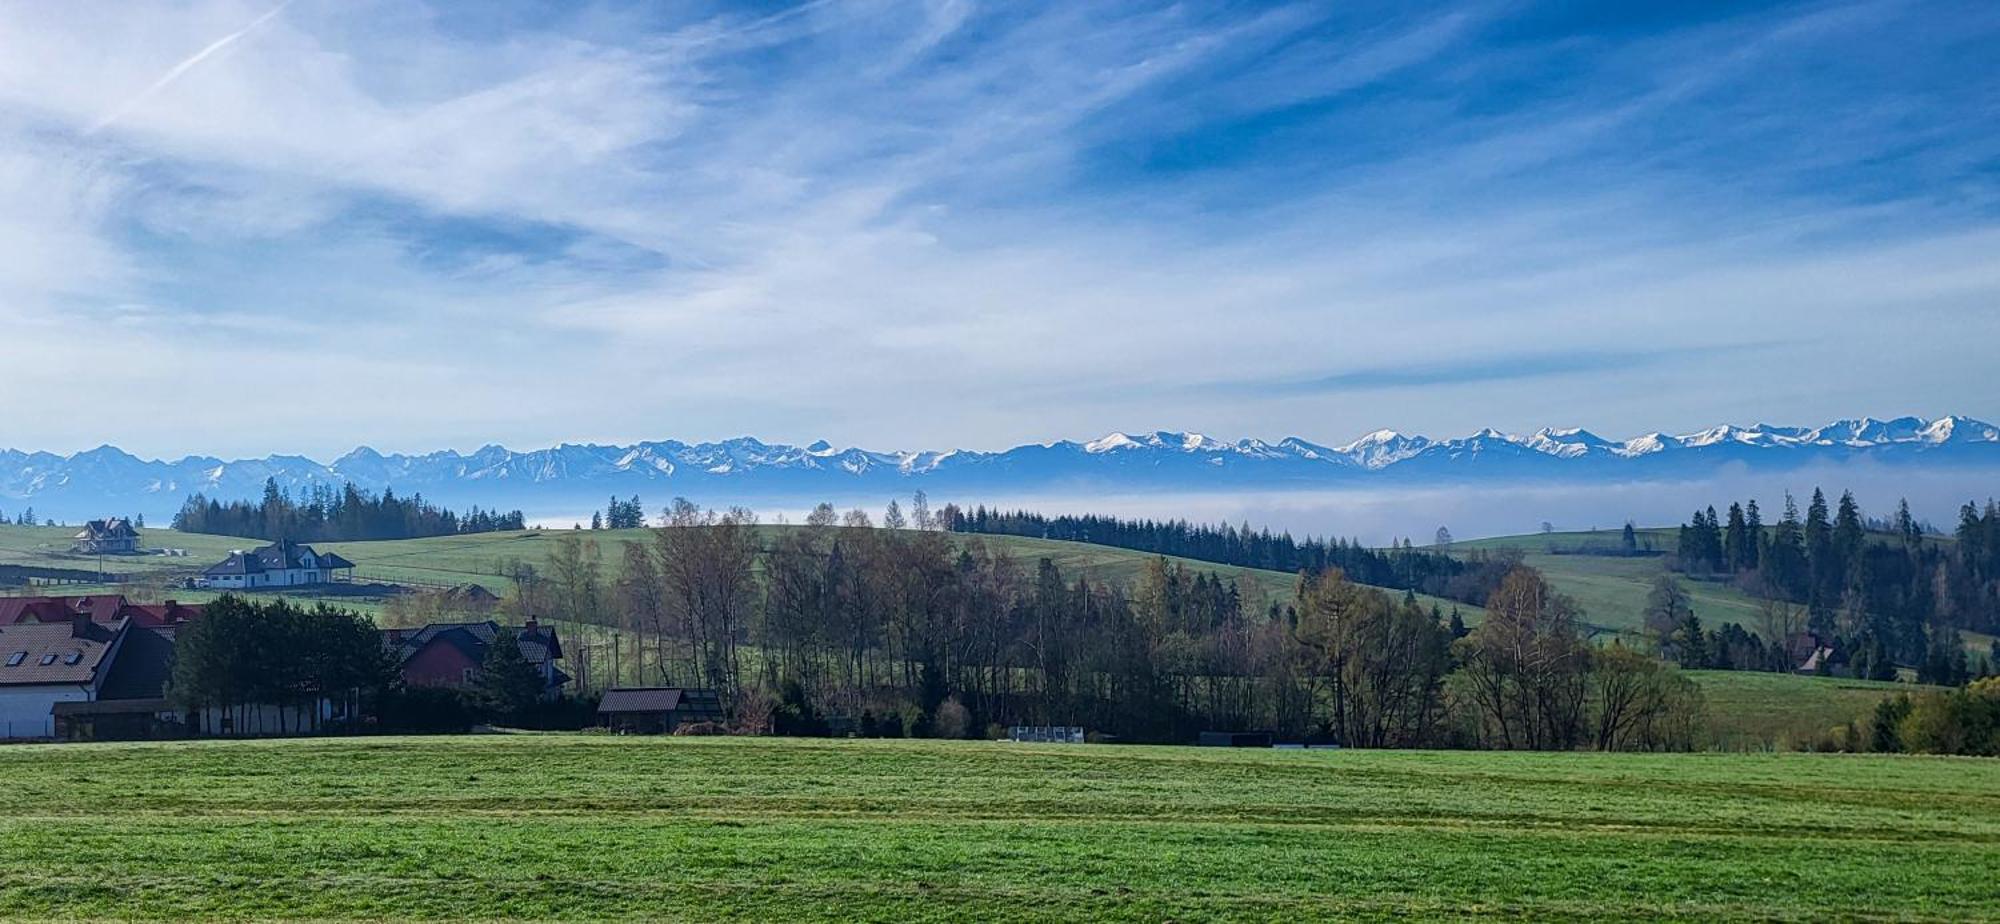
column 111, row 528
column 685, row 700
column 538, row 643
column 278, row 556
column 142, row 666
column 641, row 699
column 38, row 653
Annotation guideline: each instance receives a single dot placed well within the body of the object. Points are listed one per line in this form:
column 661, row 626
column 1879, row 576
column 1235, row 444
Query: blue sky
column 246, row 227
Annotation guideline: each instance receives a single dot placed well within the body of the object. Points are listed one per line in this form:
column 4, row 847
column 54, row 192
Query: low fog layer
column 1377, row 516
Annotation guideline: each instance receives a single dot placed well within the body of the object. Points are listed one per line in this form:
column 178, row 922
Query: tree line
column 320, row 513
column 832, row 626
column 242, row 656
column 1878, row 599
column 1402, row 566
column 1962, row 721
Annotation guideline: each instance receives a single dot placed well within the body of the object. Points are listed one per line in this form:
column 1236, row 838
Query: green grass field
column 583, row 827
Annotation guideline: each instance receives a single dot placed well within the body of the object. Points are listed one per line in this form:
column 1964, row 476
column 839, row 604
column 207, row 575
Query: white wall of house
column 26, row 711
column 291, row 577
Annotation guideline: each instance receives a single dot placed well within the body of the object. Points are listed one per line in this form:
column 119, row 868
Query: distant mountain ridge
column 747, row 469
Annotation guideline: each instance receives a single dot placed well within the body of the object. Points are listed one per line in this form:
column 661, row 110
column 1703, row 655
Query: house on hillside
column 449, row 654
column 280, row 564
column 113, row 536
column 657, row 710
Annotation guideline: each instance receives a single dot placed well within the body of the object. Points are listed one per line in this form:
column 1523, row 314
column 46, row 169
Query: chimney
column 79, row 626
column 531, row 626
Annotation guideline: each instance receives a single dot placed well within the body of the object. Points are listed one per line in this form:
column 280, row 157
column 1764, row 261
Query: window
column 73, row 657
column 15, row 659
column 48, row 659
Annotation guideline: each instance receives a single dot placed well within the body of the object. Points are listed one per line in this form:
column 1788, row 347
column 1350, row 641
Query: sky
column 239, row 228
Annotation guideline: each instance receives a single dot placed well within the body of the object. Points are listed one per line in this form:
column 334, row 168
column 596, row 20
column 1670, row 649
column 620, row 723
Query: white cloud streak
column 177, row 70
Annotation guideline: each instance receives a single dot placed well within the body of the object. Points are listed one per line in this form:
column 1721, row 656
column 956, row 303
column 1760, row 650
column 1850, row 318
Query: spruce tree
column 508, row 684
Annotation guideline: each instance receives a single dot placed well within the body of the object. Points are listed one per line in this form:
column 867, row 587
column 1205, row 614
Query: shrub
column 951, row 721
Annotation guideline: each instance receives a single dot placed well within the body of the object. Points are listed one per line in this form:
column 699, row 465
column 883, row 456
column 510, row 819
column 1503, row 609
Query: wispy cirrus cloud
column 971, row 223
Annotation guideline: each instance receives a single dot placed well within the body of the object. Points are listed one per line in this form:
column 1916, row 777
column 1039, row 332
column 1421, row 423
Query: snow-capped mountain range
column 569, row 477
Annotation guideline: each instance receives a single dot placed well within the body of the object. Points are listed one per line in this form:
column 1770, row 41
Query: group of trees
column 1402, row 566
column 322, row 514
column 27, row 518
column 620, row 514
column 1677, row 633
column 915, row 630
column 1960, row 721
column 270, row 664
column 1899, row 597
column 242, row 656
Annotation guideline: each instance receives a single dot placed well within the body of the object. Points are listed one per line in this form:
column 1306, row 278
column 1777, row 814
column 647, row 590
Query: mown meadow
column 581, row 826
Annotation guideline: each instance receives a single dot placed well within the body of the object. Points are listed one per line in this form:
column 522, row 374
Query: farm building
column 449, row 654
column 280, row 564
column 113, row 536
column 657, row 710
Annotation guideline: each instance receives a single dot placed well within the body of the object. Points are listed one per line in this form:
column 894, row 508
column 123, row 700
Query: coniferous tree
column 508, row 684
column 1735, row 539
column 1753, row 545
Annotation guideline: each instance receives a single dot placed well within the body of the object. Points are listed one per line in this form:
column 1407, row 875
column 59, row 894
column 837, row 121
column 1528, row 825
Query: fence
column 1046, row 734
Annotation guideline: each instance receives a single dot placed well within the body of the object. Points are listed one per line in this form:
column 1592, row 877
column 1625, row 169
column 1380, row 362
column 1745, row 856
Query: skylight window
column 73, row 657
column 48, row 659
column 15, row 659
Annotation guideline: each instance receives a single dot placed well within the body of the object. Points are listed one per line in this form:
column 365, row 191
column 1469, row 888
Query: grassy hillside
column 580, row 827
column 480, row 558
column 1753, row 710
column 1613, row 590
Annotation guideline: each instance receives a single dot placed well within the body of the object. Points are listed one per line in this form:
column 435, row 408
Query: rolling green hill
column 481, row 558
column 1612, row 590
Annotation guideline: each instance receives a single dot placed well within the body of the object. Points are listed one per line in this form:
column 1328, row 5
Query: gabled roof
column 278, row 556
column 538, row 643
column 104, row 609
column 110, row 528
column 45, row 653
column 140, row 670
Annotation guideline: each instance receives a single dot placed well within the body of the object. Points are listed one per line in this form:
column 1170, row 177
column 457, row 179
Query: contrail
column 177, row 70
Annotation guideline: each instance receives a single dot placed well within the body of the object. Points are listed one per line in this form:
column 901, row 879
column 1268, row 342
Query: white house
column 280, row 564
column 42, row 664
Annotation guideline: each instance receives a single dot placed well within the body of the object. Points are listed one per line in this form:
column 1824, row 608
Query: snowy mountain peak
column 108, row 479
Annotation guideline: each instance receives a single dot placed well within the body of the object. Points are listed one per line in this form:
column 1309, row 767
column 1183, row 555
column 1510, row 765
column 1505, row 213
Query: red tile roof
column 101, row 608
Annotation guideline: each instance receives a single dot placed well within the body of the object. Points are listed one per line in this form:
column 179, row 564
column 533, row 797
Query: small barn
column 657, row 710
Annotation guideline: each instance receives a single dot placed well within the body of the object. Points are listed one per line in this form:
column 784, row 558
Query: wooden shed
column 657, row 710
